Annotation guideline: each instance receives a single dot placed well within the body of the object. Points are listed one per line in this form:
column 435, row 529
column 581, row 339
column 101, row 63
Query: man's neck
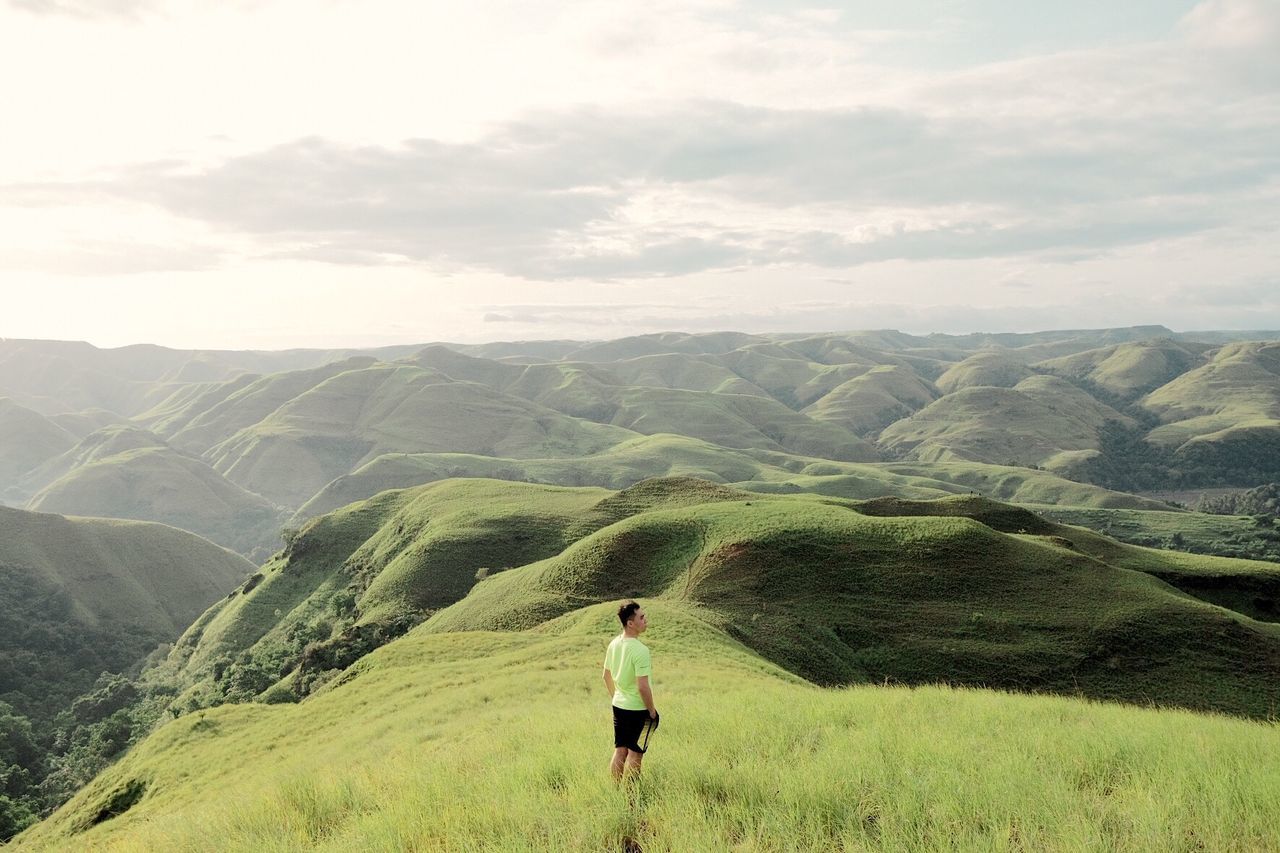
column 631, row 633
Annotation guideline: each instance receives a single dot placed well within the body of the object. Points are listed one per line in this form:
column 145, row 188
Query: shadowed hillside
column 27, row 439
column 79, row 599
column 122, row 472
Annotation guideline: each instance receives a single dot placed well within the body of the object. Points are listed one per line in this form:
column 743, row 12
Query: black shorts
column 632, row 729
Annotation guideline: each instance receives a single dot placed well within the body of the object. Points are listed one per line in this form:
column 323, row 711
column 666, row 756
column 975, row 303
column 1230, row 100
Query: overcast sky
column 271, row 173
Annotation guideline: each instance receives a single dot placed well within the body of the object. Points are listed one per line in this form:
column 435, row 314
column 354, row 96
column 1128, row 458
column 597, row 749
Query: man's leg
column 619, row 759
column 633, row 761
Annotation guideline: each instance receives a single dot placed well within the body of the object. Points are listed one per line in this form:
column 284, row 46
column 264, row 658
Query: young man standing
column 627, row 667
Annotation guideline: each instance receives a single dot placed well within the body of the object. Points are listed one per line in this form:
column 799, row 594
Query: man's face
column 639, row 621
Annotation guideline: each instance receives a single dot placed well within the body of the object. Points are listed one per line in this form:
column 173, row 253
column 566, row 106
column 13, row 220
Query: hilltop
column 962, row 589
column 754, row 599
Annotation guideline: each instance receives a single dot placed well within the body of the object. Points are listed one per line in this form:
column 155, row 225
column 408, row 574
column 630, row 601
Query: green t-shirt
column 626, row 660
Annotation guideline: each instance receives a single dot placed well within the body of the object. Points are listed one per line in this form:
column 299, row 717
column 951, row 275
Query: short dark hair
column 626, row 611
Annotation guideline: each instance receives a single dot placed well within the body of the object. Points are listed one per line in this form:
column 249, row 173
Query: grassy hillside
column 867, row 403
column 133, row 573
column 1132, row 369
column 924, row 480
column 618, row 467
column 129, row 473
column 1197, row 532
column 27, row 439
column 1042, row 421
column 351, row 580
column 358, row 415
column 747, row 758
column 991, row 368
column 677, row 456
column 212, row 418
column 963, row 590
column 80, row 598
column 289, row 425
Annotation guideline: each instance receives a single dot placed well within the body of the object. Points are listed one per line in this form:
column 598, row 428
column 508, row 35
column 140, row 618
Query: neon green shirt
column 626, row 660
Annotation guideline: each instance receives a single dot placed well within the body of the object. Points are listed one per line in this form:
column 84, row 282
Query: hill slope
column 963, row 589
column 27, row 440
column 80, row 598
column 129, row 473
column 746, row 757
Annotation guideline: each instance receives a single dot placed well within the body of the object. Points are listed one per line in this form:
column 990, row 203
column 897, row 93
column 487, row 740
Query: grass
column 1237, row 387
column 358, row 415
column 126, row 572
column 1198, row 532
column 128, row 473
column 963, row 590
column 1132, row 369
column 1042, row 421
column 27, row 439
column 989, row 368
column 498, row 741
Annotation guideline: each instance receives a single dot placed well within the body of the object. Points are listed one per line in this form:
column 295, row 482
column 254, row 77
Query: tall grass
column 500, row 742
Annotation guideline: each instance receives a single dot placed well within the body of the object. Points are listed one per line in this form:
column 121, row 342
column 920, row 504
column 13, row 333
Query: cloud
column 1061, row 158
column 131, row 9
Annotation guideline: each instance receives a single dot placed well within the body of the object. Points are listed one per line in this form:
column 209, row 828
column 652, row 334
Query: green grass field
column 499, row 741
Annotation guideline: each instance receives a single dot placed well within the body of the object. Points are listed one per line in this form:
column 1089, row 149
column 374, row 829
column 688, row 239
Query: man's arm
column 608, row 681
column 642, row 685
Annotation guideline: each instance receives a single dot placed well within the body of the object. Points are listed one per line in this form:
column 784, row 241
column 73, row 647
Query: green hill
column 962, row 590
column 925, row 480
column 353, row 579
column 618, row 467
column 79, row 598
column 94, row 447
column 1132, row 369
column 27, row 439
column 867, row 403
column 1043, row 420
column 358, row 415
column 990, row 368
column 388, row 755
column 123, row 472
column 150, row 577
column 204, row 427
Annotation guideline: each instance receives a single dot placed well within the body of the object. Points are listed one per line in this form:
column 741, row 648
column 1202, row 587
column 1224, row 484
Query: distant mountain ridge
column 1131, row 408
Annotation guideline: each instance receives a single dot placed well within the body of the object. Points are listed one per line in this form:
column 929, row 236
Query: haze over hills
column 824, row 503
column 309, row 428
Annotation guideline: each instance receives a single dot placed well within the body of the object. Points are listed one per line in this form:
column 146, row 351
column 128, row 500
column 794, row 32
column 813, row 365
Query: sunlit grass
column 500, row 742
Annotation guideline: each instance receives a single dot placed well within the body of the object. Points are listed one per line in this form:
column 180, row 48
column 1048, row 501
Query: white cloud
column 640, row 144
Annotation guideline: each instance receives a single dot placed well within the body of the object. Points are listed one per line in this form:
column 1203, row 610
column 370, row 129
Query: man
column 627, row 667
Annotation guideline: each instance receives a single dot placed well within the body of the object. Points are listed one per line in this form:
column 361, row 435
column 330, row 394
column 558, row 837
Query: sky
column 287, row 173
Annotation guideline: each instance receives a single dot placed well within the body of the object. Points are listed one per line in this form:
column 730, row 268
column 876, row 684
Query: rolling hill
column 1042, row 421
column 79, row 599
column 124, row 472
column 964, row 590
column 27, row 439
column 1140, row 408
column 750, row 598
